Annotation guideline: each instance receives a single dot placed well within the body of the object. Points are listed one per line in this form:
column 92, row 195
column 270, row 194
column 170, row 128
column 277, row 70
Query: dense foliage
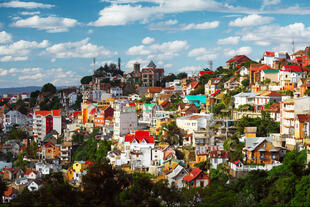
column 285, row 185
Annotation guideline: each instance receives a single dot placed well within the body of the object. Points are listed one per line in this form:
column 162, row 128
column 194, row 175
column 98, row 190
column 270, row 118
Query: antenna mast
column 293, row 46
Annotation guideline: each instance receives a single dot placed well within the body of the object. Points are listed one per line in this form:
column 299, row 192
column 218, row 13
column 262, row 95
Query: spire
column 151, row 64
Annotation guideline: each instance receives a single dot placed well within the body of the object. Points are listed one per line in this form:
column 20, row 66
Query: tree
column 50, row 88
column 20, row 163
column 3, row 188
column 17, row 134
column 226, row 99
column 267, row 81
column 78, row 138
column 181, row 75
column 77, row 104
column 307, row 92
column 199, row 90
column 171, row 133
column 245, row 82
column 86, row 79
column 169, row 78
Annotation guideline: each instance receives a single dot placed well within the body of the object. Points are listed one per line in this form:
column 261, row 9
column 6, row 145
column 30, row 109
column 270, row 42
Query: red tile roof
column 258, row 67
column 75, row 114
column 45, row 113
column 216, row 92
column 269, row 54
column 30, row 171
column 194, row 84
column 294, row 68
column 274, row 108
column 10, row 191
column 139, row 136
column 192, row 175
column 303, row 117
column 154, row 89
column 201, row 73
column 238, row 59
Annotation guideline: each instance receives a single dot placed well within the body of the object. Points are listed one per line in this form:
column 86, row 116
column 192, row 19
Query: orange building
column 197, row 178
column 104, row 113
column 260, row 150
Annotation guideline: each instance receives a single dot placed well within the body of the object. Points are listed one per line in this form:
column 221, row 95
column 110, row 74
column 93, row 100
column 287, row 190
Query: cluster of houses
column 135, row 113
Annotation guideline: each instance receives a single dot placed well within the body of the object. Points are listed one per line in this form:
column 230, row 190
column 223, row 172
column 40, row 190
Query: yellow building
column 302, row 126
column 79, row 166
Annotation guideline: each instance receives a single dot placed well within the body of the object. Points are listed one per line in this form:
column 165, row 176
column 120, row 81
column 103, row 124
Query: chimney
column 250, row 131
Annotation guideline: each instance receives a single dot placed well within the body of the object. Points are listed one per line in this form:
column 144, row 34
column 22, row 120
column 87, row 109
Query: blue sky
column 56, row 40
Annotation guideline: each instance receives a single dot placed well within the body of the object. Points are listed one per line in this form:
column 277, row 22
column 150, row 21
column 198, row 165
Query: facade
column 287, row 122
column 264, row 98
column 193, row 122
column 152, row 76
column 212, row 86
column 44, row 122
column 197, row 178
column 245, row 98
column 14, row 118
column 271, row 74
column 116, row 91
column 125, row 120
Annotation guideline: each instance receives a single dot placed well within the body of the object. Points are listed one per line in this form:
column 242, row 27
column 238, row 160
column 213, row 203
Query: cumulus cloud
column 5, row 37
column 159, row 52
column 189, row 69
column 124, row 12
column 25, row 5
column 79, row 49
column 10, row 58
column 203, row 53
column 233, row 40
column 250, row 20
column 173, row 26
column 26, row 13
column 241, row 51
column 276, row 34
column 20, row 50
column 148, row 40
column 51, row 24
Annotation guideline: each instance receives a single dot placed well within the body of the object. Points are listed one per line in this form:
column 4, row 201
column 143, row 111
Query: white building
column 125, row 120
column 138, row 148
column 100, row 95
column 14, row 117
column 194, row 122
column 46, row 121
column 244, row 98
column 116, row 91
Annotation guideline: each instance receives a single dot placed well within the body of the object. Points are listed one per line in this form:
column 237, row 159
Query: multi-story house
column 152, row 76
column 255, row 72
column 193, row 122
column 14, row 118
column 287, row 123
column 116, row 91
column 148, row 114
column 274, row 111
column 291, row 74
column 125, row 119
column 212, row 86
column 100, row 95
column 260, row 150
column 270, row 57
column 197, row 178
column 271, row 74
column 264, row 98
column 192, row 86
column 302, row 126
column 245, row 98
column 138, row 148
column 46, row 121
column 103, row 114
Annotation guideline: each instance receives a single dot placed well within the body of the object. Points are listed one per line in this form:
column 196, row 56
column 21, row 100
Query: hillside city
column 237, row 135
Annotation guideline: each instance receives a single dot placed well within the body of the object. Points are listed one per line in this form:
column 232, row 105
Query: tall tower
column 293, row 46
column 210, row 62
column 119, row 63
column 136, row 68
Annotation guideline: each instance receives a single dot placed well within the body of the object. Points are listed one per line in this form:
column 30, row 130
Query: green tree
column 17, row 134
column 226, row 99
column 181, row 76
column 171, row 133
column 307, row 92
column 245, row 82
column 50, row 88
column 3, row 188
column 86, row 79
column 20, row 163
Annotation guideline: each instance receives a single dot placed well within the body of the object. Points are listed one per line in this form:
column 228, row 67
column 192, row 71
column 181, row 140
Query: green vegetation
column 145, row 100
column 18, row 134
column 245, row 82
column 175, row 101
column 49, row 88
column 170, row 133
column 86, row 79
column 265, row 125
column 285, row 185
column 111, row 68
column 307, row 92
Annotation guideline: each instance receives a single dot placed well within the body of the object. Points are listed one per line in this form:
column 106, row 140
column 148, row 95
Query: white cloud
column 124, row 12
column 51, row 24
column 25, row 13
column 204, row 25
column 241, row 51
column 276, row 34
column 233, row 40
column 20, row 50
column 169, row 65
column 90, row 31
column 203, row 53
column 270, row 2
column 27, row 76
column 25, row 5
column 190, row 69
column 172, row 26
column 251, row 20
column 10, row 58
column 138, row 50
column 148, row 40
column 159, row 52
column 80, row 49
column 5, row 37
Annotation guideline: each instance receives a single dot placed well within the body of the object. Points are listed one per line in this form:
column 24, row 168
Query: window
column 202, row 184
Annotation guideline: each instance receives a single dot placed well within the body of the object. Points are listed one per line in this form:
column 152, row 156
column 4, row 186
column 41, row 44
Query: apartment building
column 45, row 122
